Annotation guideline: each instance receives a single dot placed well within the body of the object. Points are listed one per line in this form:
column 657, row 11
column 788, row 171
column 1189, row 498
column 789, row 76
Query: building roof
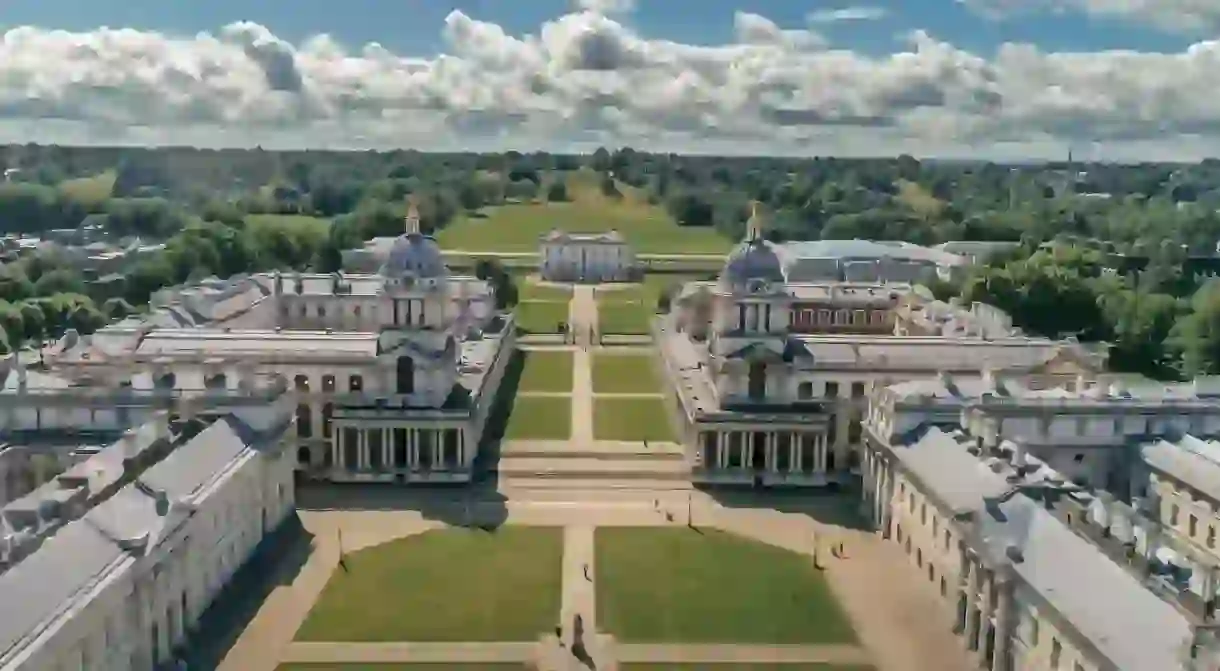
column 752, row 261
column 601, row 237
column 1191, row 461
column 414, row 255
column 959, row 479
column 204, row 342
column 1110, row 608
column 39, row 592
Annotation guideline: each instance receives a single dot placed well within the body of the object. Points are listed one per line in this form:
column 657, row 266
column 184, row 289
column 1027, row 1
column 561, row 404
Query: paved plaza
column 897, row 620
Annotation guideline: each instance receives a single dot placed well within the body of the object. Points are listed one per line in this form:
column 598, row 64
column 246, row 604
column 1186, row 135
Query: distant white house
column 585, row 257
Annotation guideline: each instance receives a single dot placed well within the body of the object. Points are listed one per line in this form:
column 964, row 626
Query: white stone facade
column 120, row 587
column 586, row 257
column 770, row 377
column 396, row 372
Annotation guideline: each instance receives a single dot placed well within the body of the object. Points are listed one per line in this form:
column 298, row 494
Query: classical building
column 110, row 565
column 1070, row 527
column 586, row 257
column 396, row 372
column 770, row 371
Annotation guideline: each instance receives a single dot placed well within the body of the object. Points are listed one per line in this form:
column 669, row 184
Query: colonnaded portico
column 368, row 450
column 791, row 454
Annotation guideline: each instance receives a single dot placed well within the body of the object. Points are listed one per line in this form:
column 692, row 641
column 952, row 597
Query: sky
column 1122, row 80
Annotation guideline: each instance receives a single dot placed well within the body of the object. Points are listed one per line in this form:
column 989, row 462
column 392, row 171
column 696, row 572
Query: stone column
column 438, row 443
column 747, row 449
column 412, row 449
column 1003, row 629
column 387, row 450
column 986, row 612
column 794, row 452
column 336, row 446
column 722, row 447
column 364, row 448
column 461, row 448
column 769, row 459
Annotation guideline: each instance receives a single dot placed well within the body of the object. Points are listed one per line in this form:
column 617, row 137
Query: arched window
column 355, row 383
column 303, row 456
column 304, row 421
column 328, row 384
column 217, row 381
column 328, row 411
column 406, row 375
column 302, row 382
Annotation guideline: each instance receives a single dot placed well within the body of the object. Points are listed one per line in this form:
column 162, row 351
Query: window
column 832, row 390
column 321, row 311
column 923, row 513
column 355, row 383
column 356, row 311
column 857, row 389
column 328, row 412
column 302, row 383
column 935, row 526
column 1193, row 526
column 1078, row 458
column 1211, row 537
column 1033, row 628
column 911, row 501
column 1056, row 652
column 1173, row 514
column 804, row 390
column 328, row 384
column 1077, row 666
column 304, row 423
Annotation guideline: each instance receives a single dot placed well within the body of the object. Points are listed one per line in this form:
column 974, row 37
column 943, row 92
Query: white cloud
column 1185, row 16
column 856, row 13
column 585, row 79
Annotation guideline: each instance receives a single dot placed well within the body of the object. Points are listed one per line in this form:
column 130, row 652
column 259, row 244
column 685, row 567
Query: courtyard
column 615, row 373
column 633, row 419
column 447, row 585
column 541, row 316
column 545, row 371
column 679, row 585
column 407, row 666
column 539, row 418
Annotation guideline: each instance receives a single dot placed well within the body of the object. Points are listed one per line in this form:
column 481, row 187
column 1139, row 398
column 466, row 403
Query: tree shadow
column 276, row 561
column 836, row 506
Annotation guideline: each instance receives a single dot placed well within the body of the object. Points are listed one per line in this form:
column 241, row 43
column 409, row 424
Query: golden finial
column 754, row 225
column 412, row 221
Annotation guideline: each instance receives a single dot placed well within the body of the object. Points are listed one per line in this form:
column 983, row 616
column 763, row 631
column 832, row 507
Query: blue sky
column 413, row 27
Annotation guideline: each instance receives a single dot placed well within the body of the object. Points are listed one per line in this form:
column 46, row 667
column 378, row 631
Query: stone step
column 598, row 450
column 529, row 465
column 555, row 488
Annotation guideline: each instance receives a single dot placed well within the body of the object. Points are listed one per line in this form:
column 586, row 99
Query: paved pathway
column 582, row 399
column 371, row 653
column 742, row 654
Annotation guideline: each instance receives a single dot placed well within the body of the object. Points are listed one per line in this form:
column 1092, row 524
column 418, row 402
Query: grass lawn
column 89, row 190
column 624, row 318
column 540, row 418
column 527, row 290
column 444, row 585
column 404, row 666
column 624, row 374
column 670, row 585
column 518, row 227
column 541, row 316
column 733, row 666
column 546, row 371
column 634, row 419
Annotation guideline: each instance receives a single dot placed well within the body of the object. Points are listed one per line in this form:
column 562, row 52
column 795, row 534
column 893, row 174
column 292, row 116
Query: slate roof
column 71, row 563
